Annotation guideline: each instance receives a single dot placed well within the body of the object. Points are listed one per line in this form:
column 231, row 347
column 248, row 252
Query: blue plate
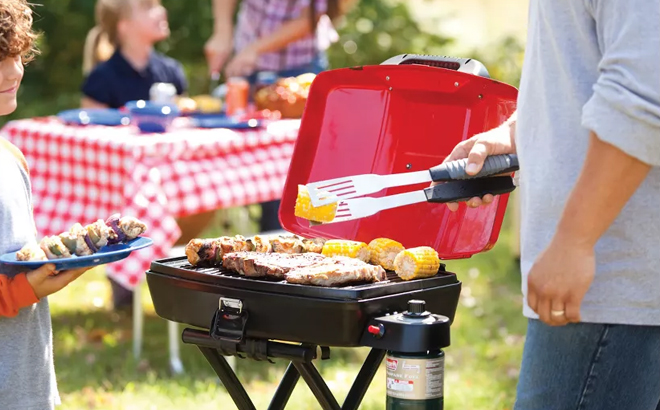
column 107, row 254
column 95, row 116
column 222, row 121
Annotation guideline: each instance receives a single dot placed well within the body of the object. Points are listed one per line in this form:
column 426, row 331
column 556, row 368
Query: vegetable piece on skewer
column 54, row 248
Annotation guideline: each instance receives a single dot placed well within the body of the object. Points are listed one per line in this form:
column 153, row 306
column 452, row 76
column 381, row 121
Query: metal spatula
column 458, row 191
column 341, row 189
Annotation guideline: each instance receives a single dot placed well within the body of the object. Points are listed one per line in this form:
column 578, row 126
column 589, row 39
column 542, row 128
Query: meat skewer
column 209, row 252
column 84, row 240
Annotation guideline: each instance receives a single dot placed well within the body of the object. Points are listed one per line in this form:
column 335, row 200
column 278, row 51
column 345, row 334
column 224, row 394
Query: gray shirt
column 27, row 375
column 593, row 65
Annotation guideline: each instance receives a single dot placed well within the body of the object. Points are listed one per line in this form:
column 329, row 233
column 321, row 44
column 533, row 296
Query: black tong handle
column 460, row 191
column 455, row 170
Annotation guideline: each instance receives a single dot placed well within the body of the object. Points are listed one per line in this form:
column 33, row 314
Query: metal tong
column 458, row 186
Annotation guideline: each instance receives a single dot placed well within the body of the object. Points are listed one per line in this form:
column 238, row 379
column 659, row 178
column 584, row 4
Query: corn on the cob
column 305, row 209
column 352, row 249
column 383, row 251
column 416, row 263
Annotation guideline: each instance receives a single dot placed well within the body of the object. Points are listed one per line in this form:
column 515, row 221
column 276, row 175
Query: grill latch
column 229, row 321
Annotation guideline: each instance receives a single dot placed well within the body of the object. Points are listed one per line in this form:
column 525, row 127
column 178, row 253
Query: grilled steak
column 257, row 264
column 337, row 270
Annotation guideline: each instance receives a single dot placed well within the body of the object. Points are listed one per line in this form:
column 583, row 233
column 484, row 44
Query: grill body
column 277, row 310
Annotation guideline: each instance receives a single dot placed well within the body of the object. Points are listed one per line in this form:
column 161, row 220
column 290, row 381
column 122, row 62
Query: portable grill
column 405, row 114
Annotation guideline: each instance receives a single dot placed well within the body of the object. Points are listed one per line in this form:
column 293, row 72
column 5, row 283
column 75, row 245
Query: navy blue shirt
column 115, row 82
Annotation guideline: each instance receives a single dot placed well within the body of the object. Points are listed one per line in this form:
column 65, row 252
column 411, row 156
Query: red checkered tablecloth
column 83, row 173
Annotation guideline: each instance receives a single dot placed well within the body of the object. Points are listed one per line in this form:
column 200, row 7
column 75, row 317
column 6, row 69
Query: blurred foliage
column 376, row 30
column 370, row 33
column 504, row 60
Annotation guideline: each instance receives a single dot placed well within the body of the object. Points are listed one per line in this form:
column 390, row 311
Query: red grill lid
column 388, row 119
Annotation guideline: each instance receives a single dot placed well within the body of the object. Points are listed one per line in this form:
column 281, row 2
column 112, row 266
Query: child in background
column 27, row 373
column 122, row 44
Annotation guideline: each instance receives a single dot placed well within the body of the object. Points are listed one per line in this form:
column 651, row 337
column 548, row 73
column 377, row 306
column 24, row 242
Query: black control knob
column 416, row 309
column 416, row 306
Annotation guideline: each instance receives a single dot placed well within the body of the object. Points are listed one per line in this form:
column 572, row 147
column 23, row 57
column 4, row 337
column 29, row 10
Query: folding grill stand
column 300, row 357
column 226, row 337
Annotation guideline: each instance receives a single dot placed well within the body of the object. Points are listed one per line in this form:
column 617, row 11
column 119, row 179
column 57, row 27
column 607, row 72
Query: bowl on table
column 150, row 116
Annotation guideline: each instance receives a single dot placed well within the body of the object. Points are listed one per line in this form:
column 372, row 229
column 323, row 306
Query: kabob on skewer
column 84, row 240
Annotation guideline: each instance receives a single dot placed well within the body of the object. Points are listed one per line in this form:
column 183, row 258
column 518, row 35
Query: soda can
column 238, row 90
column 162, row 93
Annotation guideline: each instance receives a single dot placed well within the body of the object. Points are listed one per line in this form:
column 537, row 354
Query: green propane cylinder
column 415, row 381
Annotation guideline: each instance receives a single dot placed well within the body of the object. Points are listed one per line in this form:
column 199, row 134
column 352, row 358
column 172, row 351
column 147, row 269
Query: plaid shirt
column 259, row 18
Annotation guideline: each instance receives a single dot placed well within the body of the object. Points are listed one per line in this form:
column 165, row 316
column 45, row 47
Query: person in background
column 27, row 371
column 120, row 62
column 587, row 134
column 287, row 37
column 121, row 65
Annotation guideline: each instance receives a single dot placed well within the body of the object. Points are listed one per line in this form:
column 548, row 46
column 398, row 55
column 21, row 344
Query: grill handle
column 494, row 164
column 459, row 191
column 464, row 65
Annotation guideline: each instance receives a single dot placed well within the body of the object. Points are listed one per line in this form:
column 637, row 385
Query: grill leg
column 363, row 379
column 228, row 378
column 284, row 390
column 317, row 386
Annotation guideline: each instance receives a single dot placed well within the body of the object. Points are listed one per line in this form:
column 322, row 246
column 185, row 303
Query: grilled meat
column 261, row 244
column 31, row 252
column 209, row 252
column 314, row 245
column 275, row 265
column 124, row 228
column 287, row 244
column 335, row 271
column 201, row 251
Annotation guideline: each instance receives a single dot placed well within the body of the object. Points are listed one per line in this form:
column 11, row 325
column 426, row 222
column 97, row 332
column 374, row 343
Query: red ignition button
column 377, row 331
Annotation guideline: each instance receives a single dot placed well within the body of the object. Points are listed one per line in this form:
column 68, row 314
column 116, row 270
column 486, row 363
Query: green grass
column 96, row 370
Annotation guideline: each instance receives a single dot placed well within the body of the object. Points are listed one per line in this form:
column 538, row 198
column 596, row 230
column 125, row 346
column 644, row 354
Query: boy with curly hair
column 27, row 374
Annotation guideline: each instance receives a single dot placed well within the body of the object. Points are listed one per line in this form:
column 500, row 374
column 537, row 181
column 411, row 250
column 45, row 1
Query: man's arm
column 623, row 116
column 608, row 179
column 285, row 34
column 223, row 13
column 219, row 47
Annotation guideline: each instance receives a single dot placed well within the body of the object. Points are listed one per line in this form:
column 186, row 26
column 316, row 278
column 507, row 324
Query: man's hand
column 559, row 279
column 497, row 141
column 45, row 282
column 217, row 50
column 243, row 63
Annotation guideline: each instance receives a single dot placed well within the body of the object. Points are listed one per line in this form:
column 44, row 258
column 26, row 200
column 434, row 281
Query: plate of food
column 81, row 246
column 95, row 116
column 224, row 121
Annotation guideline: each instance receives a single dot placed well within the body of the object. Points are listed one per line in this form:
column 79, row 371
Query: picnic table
column 81, row 173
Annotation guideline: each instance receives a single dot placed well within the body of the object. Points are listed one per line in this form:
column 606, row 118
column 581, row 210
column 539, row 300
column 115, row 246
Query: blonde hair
column 103, row 39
